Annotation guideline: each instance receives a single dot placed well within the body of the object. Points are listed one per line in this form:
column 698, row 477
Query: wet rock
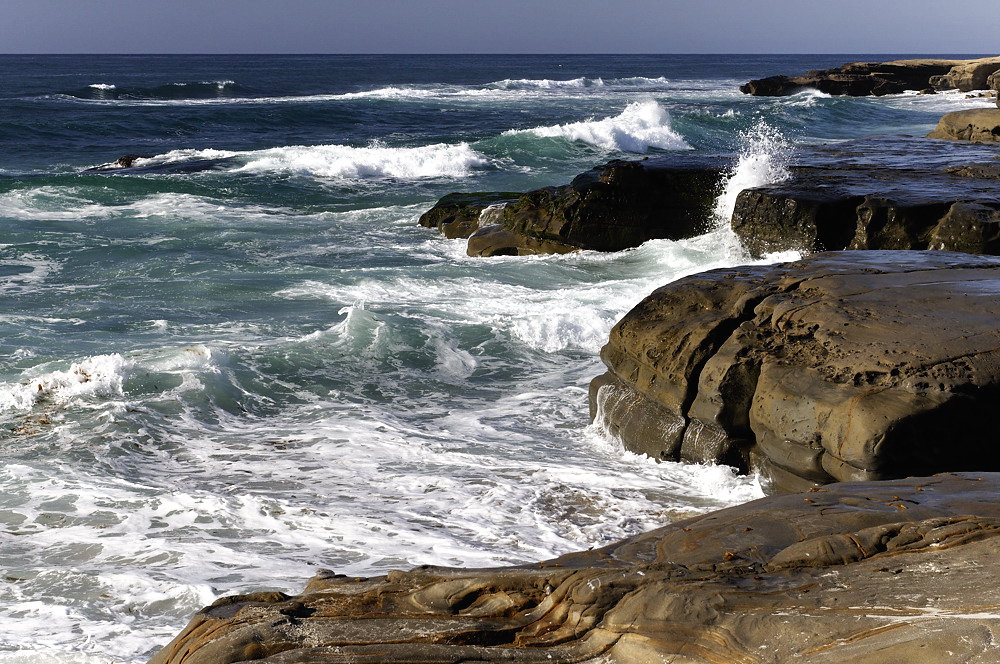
column 858, row 79
column 857, row 365
column 868, row 194
column 856, row 572
column 979, row 125
column 460, row 215
column 616, row 206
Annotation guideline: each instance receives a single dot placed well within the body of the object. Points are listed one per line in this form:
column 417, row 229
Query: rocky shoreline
column 858, row 383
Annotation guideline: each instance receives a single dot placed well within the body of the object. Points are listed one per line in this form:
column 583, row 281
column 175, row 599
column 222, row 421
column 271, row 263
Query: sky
column 499, row 26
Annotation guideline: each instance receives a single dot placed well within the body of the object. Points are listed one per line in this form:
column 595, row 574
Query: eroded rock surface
column 856, row 365
column 880, row 78
column 616, row 206
column 860, row 572
column 880, row 192
column 979, row 125
column 459, row 215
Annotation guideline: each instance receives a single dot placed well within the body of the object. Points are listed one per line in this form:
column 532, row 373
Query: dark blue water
column 242, row 359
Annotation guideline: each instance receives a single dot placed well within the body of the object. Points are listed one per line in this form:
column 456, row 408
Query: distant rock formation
column 880, row 78
column 867, row 573
column 859, row 365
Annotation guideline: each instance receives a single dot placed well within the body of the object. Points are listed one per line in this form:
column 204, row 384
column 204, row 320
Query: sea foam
column 641, row 126
column 763, row 159
column 101, row 375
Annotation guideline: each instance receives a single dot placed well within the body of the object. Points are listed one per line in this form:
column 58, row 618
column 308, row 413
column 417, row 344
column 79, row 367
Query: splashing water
column 763, row 160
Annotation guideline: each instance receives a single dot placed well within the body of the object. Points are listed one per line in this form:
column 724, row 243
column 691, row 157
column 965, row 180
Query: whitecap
column 102, row 86
column 641, row 126
column 100, row 375
column 763, row 160
column 546, row 84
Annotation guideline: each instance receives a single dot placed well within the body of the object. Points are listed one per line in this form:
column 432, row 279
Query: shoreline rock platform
column 859, row 79
column 868, row 573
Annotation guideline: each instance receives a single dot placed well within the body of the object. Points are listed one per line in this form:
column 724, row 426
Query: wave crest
column 641, row 126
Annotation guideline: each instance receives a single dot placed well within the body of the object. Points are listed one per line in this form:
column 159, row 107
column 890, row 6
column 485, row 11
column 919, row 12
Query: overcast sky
column 499, row 26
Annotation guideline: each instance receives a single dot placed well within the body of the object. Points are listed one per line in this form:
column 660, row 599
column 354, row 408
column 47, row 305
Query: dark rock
column 616, row 206
column 458, row 215
column 842, row 366
column 979, row 125
column 868, row 194
column 857, row 78
column 866, row 573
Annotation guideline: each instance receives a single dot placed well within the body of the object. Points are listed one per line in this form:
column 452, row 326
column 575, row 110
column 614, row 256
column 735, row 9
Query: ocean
column 242, row 359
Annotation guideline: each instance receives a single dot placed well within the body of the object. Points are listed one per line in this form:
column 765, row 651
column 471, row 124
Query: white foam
column 763, row 160
column 641, row 126
column 546, row 84
column 377, row 160
column 100, row 375
column 102, row 86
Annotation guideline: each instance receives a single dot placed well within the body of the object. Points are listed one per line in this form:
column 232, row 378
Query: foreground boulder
column 979, row 125
column 866, row 573
column 880, row 192
column 858, row 79
column 858, row 365
column 616, row 206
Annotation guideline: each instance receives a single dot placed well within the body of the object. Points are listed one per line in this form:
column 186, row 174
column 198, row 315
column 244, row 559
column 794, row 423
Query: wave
column 763, row 160
column 334, row 161
column 641, row 126
column 545, row 84
column 101, row 375
column 167, row 92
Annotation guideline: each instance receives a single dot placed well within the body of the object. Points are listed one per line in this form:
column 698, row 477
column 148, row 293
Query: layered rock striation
column 881, row 192
column 849, row 572
column 843, row 366
column 880, row 78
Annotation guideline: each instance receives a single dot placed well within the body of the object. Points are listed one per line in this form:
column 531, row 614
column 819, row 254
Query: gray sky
column 499, row 26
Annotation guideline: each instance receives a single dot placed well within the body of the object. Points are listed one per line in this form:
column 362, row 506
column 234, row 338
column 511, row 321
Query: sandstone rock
column 859, row 572
column 867, row 194
column 968, row 76
column 616, row 206
column 859, row 78
column 842, row 366
column 459, row 215
column 979, row 125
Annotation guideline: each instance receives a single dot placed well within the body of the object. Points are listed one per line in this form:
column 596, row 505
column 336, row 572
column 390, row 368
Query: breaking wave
column 641, row 126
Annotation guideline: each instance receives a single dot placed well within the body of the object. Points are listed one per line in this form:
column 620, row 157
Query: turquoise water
column 242, row 359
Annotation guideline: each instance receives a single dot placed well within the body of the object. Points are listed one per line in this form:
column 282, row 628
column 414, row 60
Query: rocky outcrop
column 459, row 215
column 858, row 79
column 866, row 573
column 616, row 206
column 967, row 76
column 868, row 194
column 843, row 366
column 979, row 125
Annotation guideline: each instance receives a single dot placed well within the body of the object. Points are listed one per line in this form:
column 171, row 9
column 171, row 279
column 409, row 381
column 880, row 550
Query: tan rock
column 980, row 125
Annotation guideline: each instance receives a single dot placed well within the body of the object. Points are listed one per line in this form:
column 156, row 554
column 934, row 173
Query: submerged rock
column 979, row 125
column 842, row 366
column 880, row 192
column 860, row 572
column 858, row 79
column 616, row 206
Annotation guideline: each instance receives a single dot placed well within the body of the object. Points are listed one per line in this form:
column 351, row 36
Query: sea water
column 242, row 359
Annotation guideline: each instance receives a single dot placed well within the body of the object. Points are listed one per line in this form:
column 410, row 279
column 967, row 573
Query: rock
column 857, row 365
column 459, row 215
column 979, row 125
column 867, row 194
column 866, row 573
column 616, row 206
column 859, row 78
column 967, row 76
